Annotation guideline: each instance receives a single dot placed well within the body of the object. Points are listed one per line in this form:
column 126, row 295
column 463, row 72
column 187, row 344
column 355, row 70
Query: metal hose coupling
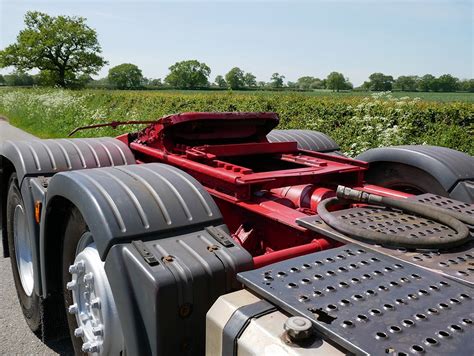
column 347, row 193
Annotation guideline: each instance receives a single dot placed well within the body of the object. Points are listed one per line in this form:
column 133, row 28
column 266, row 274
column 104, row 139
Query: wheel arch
column 447, row 166
column 121, row 204
column 45, row 158
column 306, row 139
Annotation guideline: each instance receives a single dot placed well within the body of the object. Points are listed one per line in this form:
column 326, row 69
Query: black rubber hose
column 460, row 236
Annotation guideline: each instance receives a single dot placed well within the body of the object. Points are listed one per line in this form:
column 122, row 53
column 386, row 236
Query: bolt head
column 79, row 332
column 97, row 330
column 78, row 267
column 90, row 347
column 88, row 278
column 298, row 328
column 85, row 346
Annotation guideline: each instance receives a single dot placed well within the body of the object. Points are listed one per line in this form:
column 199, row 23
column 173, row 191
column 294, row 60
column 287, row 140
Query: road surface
column 15, row 336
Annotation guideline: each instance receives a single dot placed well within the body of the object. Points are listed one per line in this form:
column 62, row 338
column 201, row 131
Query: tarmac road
column 15, row 336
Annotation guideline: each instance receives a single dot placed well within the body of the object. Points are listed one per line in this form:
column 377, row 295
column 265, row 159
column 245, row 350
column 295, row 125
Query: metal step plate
column 456, row 264
column 445, row 203
column 371, row 303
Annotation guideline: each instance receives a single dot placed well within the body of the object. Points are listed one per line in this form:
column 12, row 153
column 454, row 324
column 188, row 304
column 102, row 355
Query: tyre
column 404, row 178
column 21, row 255
column 91, row 312
column 306, row 139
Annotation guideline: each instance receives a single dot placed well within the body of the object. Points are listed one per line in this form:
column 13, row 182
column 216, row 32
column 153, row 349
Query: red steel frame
column 260, row 187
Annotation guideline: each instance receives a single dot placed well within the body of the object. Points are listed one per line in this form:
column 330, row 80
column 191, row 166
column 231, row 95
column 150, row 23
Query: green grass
column 356, row 122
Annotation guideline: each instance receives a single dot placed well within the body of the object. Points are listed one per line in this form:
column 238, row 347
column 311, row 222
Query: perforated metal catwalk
column 371, row 303
column 456, row 264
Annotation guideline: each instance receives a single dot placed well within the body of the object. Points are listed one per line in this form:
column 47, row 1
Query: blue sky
column 293, row 38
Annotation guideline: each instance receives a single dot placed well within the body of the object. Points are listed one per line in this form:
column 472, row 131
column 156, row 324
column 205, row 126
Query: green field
column 357, row 121
column 426, row 96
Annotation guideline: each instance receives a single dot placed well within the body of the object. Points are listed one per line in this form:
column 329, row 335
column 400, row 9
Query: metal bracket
column 239, row 321
column 220, row 236
column 145, row 253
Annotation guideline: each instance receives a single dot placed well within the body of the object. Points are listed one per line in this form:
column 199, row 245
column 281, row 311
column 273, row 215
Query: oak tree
column 64, row 46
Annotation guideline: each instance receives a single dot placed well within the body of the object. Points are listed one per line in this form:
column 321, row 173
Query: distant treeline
column 194, row 75
column 66, row 52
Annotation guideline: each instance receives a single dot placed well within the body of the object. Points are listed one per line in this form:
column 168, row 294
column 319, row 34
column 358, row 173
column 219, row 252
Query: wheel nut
column 90, row 347
column 78, row 267
column 79, row 332
column 71, row 285
column 298, row 328
column 97, row 330
column 88, row 278
column 72, row 309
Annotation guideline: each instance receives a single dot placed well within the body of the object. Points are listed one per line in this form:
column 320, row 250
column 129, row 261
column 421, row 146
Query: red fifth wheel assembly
column 221, row 236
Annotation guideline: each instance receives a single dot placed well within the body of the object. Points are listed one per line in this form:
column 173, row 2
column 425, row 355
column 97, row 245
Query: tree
column 125, row 76
column 336, row 82
column 406, row 83
column 447, row 83
column 305, row 82
column 63, row 45
column 380, row 82
column 220, row 81
column 98, row 83
column 276, row 81
column 250, row 80
column 318, row 84
column 261, row 84
column 467, row 85
column 235, row 78
column 190, row 74
column 425, row 83
column 18, row 79
column 155, row 83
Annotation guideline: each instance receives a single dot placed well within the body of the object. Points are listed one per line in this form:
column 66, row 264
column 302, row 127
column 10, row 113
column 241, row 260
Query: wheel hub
column 93, row 303
column 23, row 254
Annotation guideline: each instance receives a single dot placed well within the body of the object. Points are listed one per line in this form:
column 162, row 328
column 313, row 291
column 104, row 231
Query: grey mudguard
column 35, row 158
column 120, row 204
column 162, row 307
column 447, row 166
column 306, row 139
column 47, row 157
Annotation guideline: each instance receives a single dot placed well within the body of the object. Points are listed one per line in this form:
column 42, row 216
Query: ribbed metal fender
column 447, row 166
column 307, row 139
column 46, row 157
column 121, row 203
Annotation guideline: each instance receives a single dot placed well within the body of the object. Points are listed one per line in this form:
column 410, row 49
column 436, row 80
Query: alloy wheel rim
column 23, row 253
column 92, row 302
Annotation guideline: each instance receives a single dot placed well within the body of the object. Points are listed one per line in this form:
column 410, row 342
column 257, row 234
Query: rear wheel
column 92, row 315
column 21, row 255
column 404, row 178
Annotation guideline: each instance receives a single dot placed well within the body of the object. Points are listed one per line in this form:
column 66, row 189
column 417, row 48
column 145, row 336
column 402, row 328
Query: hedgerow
column 356, row 123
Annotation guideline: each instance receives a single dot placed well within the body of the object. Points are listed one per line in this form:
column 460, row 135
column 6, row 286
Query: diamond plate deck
column 371, row 303
column 456, row 264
